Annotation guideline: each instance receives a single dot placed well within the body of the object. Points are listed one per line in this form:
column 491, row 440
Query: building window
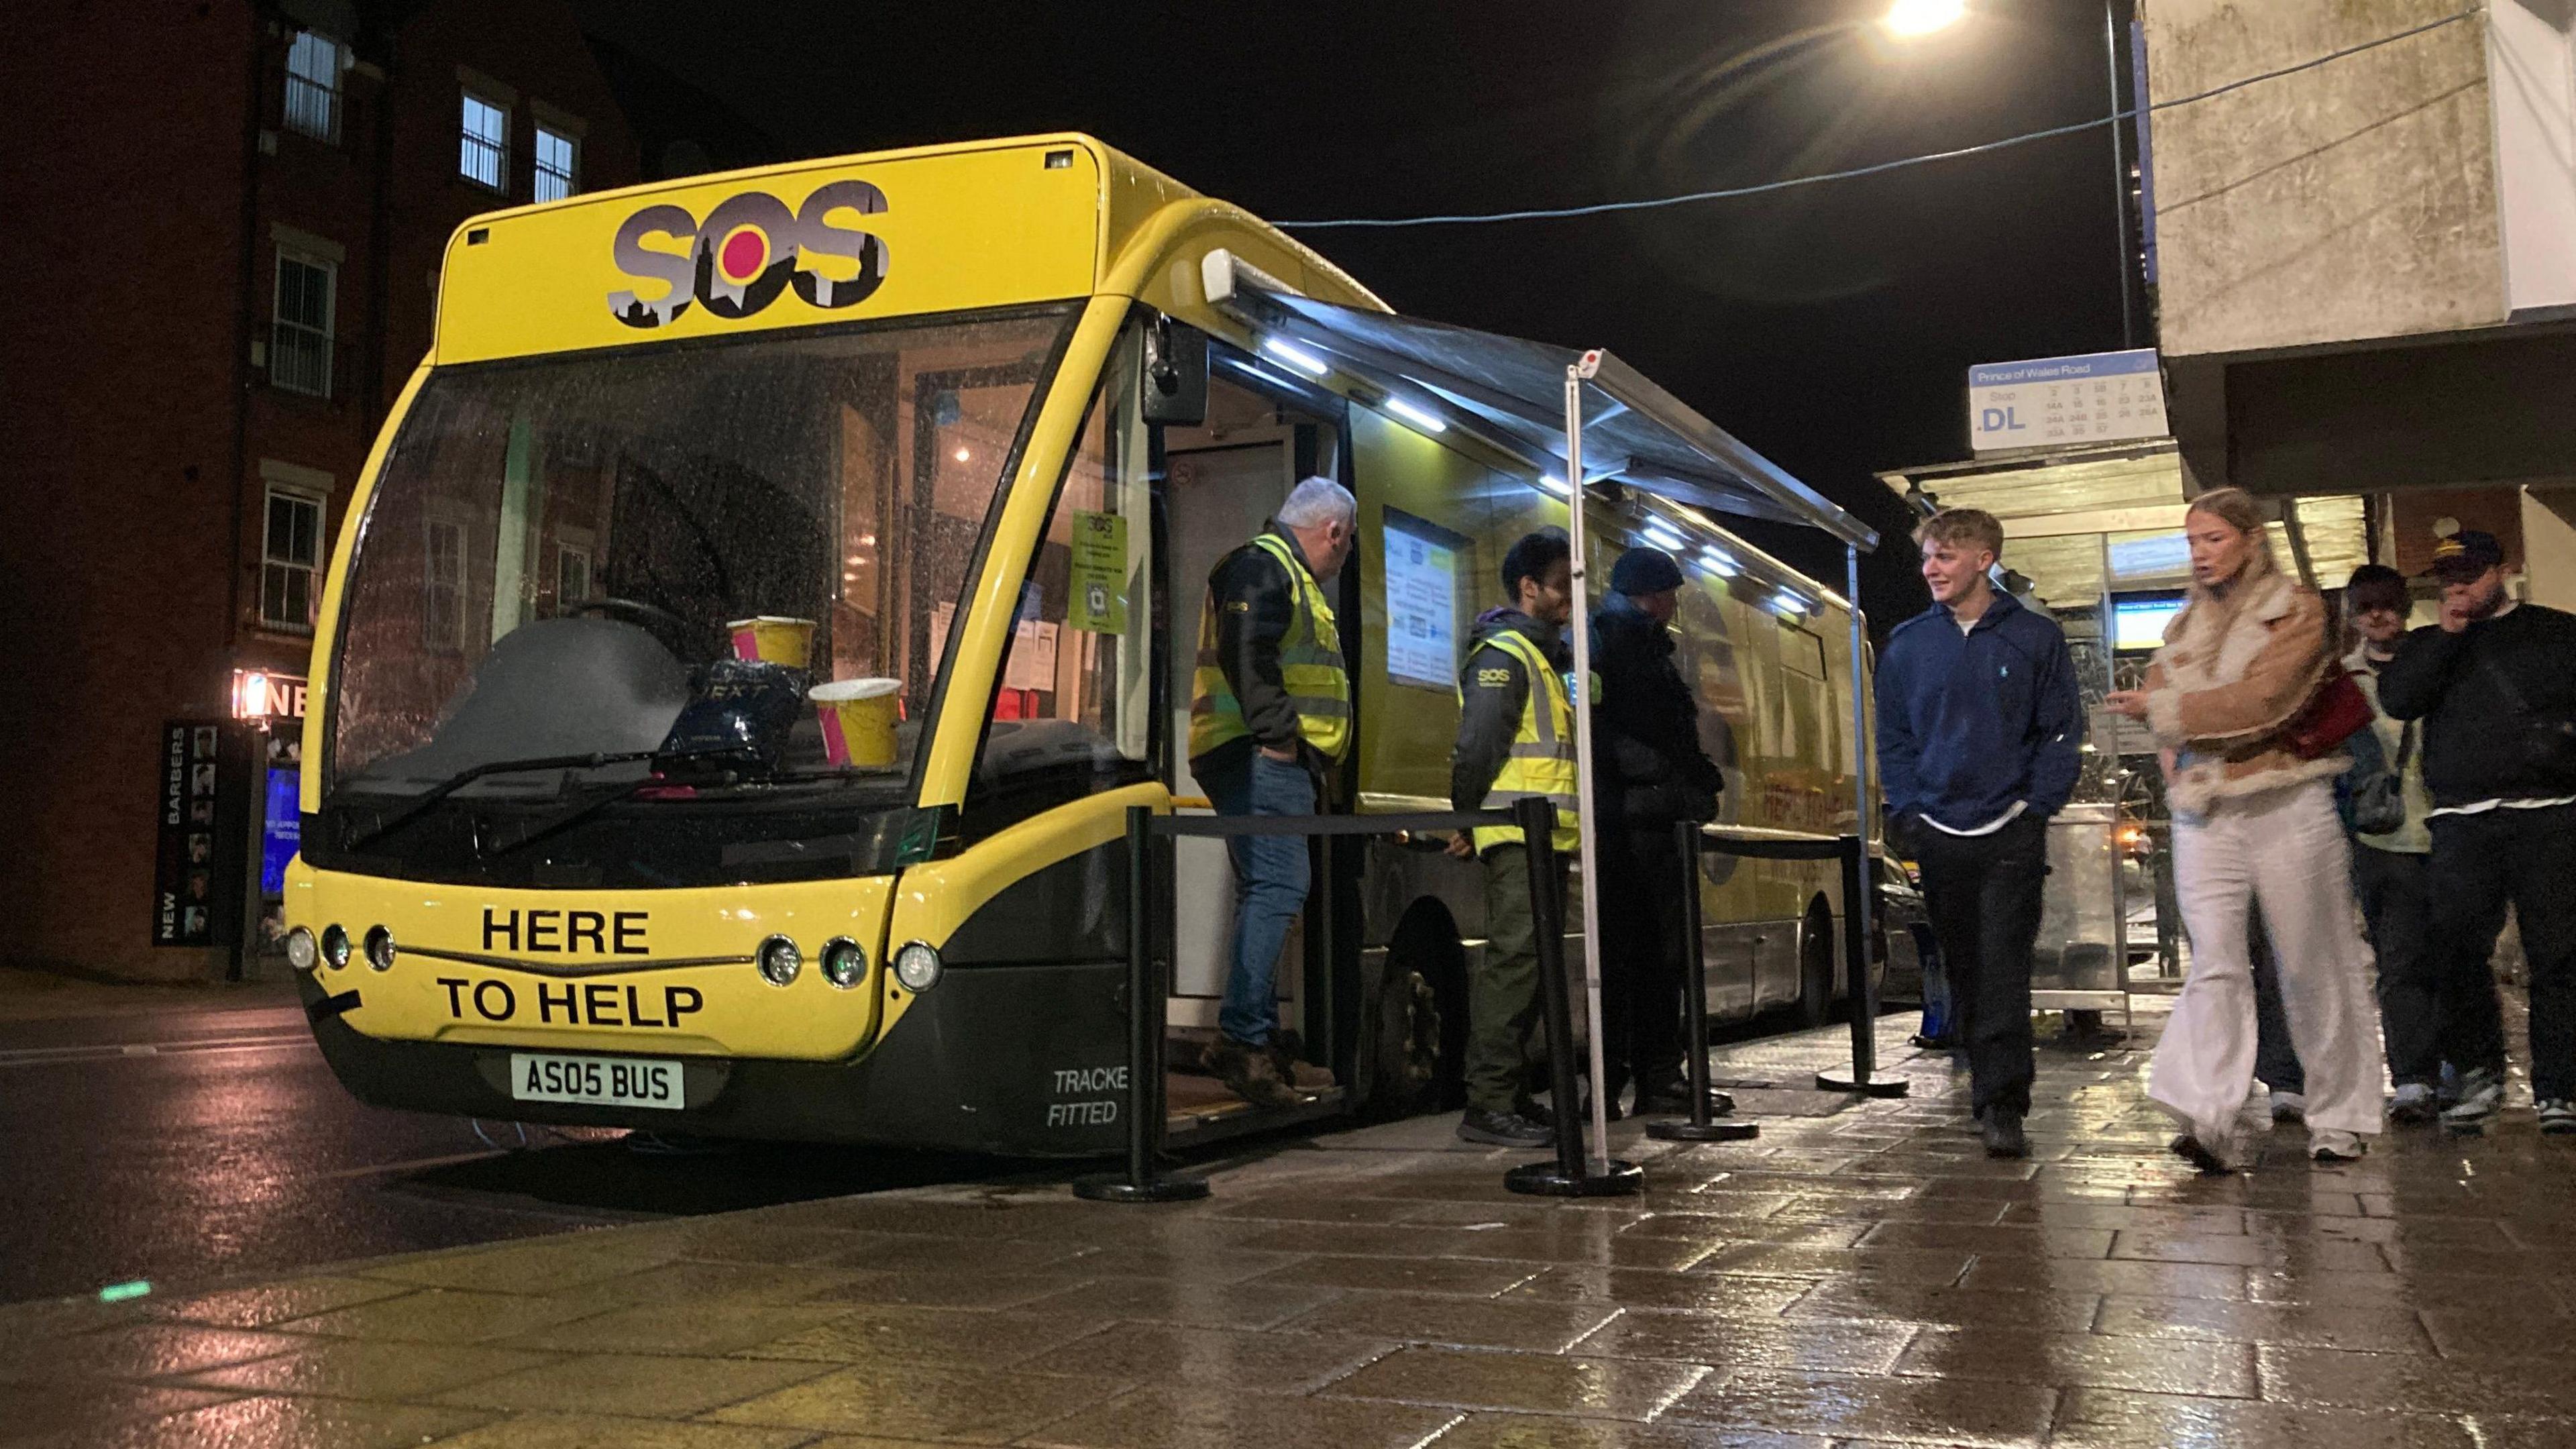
column 313, row 68
column 299, row 344
column 572, row 576
column 485, row 157
column 558, row 164
column 290, row 561
column 442, row 573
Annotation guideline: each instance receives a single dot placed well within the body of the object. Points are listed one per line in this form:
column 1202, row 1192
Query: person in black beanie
column 1650, row 772
column 2495, row 685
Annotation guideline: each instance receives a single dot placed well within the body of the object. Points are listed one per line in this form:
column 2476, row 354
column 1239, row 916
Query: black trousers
column 1983, row 894
column 2483, row 863
column 2397, row 906
column 2276, row 1057
column 1641, row 962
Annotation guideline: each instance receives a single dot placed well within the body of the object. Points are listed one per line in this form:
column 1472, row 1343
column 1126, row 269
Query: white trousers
column 2284, row 848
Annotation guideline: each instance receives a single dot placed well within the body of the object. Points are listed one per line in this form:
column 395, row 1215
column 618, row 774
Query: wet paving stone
column 1528, row 1383
column 1514, row 1323
column 1840, row 1346
column 2116, row 1419
column 1525, row 1431
column 2346, row 1326
column 976, row 1406
column 2209, row 1368
column 632, row 1385
column 1170, row 1356
column 1913, row 1410
column 1218, row 1419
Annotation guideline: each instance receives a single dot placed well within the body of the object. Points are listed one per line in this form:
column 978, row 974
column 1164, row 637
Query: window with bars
column 558, row 164
column 442, row 605
column 299, row 343
column 314, row 65
column 484, row 157
column 290, row 561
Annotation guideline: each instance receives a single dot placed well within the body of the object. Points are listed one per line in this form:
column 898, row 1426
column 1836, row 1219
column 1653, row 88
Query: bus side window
column 1073, row 711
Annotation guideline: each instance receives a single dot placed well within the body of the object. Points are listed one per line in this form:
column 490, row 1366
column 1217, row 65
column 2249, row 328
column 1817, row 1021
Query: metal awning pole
column 1582, row 692
column 1861, row 995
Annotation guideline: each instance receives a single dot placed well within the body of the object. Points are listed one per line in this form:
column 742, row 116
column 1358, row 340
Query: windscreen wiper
column 465, row 777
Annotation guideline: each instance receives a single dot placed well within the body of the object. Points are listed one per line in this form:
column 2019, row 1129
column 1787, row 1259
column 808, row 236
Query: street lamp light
column 1910, row 18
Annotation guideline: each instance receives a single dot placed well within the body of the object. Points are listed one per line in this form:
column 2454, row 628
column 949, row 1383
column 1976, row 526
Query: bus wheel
column 1816, row 967
column 1419, row 1046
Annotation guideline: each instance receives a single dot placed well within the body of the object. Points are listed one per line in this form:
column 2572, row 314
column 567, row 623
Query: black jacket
column 1647, row 761
column 2473, row 735
column 1496, row 686
column 1256, row 604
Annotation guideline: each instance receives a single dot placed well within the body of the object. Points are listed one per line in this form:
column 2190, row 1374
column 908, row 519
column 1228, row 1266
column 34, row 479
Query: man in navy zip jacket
column 1979, row 732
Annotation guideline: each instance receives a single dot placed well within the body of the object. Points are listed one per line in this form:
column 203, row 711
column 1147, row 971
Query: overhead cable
column 1901, row 163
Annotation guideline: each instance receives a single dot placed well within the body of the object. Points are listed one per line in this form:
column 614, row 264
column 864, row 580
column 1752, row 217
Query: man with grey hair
column 1270, row 713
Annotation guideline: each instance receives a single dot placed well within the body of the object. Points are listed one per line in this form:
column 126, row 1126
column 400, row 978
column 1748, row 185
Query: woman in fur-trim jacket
column 2254, row 821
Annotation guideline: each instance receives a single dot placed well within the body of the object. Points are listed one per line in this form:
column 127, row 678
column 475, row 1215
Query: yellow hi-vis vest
column 1542, row 758
column 1310, row 665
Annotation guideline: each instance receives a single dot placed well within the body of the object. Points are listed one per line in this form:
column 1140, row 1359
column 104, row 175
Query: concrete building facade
column 2366, row 268
column 227, row 222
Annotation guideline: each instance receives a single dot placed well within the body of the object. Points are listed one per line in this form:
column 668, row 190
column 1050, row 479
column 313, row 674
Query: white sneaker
column 2289, row 1107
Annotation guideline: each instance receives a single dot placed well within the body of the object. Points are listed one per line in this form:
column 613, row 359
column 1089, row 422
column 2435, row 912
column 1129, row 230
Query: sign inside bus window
column 745, row 251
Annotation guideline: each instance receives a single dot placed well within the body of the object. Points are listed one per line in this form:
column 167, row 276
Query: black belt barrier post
column 1686, row 841
column 1145, row 1007
column 1864, row 1077
column 1570, row 1175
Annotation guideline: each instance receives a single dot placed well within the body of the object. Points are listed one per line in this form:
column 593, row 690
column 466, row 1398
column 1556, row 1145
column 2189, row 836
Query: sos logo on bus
column 747, row 250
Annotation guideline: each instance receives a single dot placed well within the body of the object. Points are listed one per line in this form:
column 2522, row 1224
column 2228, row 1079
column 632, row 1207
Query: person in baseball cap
column 2495, row 686
column 2464, row 556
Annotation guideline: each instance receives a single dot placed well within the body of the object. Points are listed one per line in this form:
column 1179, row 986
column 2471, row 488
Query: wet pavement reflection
column 1862, row 1274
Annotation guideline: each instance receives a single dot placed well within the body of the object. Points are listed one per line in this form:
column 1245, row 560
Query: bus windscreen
column 660, row 553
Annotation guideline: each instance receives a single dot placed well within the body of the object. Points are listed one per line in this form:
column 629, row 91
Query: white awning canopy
column 1513, row 390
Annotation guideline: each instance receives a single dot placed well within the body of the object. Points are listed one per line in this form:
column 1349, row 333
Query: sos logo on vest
column 746, row 251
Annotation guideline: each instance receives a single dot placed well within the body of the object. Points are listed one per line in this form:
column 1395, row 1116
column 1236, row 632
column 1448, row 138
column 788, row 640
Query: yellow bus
column 949, row 437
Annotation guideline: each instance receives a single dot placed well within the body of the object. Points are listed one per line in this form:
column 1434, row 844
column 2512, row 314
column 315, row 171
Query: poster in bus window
column 1421, row 609
column 1099, row 575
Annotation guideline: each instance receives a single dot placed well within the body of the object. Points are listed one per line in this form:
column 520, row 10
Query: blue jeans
column 1270, row 881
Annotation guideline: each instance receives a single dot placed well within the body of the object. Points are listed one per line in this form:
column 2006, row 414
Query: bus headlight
column 780, row 960
column 380, row 948
column 917, row 967
column 335, row 946
column 843, row 962
column 301, row 953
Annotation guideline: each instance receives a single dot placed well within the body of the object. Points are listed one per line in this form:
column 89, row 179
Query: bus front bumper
column 1024, row 1062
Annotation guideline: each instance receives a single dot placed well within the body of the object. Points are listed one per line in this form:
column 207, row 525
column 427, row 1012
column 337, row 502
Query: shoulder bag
column 2379, row 795
column 2333, row 714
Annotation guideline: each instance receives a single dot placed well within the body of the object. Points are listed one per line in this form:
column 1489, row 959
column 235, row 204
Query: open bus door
column 1223, row 480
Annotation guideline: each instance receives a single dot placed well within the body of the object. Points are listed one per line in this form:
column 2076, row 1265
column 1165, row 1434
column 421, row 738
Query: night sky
column 1829, row 327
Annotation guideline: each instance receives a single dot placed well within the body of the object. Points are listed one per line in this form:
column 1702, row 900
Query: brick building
column 227, row 218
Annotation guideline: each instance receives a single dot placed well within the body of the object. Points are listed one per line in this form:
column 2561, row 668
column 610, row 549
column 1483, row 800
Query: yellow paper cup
column 773, row 639
column 858, row 720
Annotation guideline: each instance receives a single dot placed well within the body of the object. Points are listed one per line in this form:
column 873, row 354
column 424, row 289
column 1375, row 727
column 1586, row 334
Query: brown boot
column 1249, row 1073
column 1286, row 1059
